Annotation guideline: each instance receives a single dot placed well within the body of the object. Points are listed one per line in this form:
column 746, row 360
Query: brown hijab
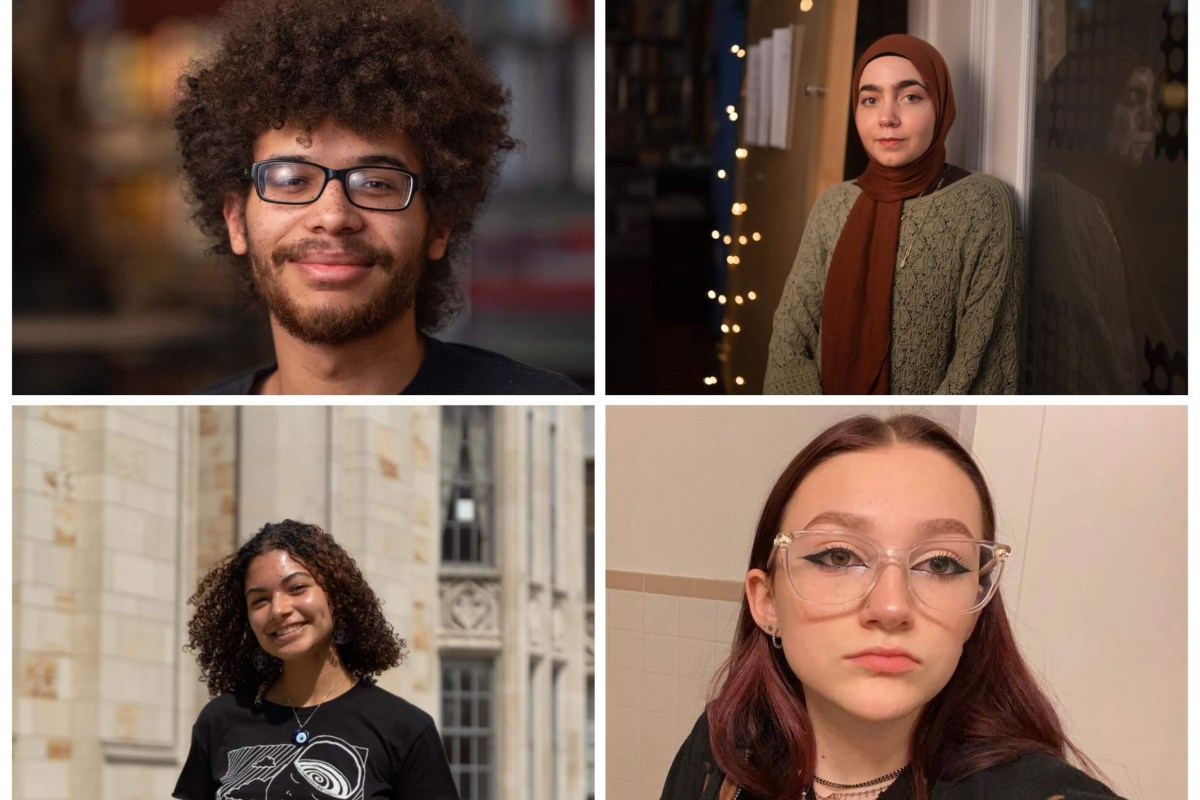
column 856, row 318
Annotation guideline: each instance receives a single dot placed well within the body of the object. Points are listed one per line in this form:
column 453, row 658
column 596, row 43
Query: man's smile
column 322, row 271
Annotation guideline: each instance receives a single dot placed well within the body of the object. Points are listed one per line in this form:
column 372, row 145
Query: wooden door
column 779, row 186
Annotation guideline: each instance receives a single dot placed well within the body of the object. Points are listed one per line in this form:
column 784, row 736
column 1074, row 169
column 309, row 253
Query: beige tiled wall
column 663, row 650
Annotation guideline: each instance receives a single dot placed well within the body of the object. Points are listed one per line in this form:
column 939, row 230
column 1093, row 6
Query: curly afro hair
column 374, row 66
column 219, row 633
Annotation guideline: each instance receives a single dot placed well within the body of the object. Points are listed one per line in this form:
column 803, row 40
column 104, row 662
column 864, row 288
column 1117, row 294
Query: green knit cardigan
column 956, row 303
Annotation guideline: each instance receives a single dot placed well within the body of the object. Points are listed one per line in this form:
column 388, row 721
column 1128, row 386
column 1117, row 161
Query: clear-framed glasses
column 301, row 182
column 952, row 574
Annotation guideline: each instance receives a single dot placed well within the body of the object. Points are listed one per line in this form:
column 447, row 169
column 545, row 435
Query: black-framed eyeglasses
column 297, row 183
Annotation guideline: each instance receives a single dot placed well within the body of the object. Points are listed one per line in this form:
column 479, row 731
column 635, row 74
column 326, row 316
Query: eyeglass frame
column 255, row 169
column 889, row 555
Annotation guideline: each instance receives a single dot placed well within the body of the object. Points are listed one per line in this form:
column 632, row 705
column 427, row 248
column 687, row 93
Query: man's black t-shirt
column 447, row 369
column 366, row 744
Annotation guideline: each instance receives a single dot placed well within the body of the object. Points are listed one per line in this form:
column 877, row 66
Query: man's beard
column 328, row 324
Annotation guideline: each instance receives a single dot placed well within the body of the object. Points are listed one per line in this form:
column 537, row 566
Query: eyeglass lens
column 380, row 188
column 946, row 574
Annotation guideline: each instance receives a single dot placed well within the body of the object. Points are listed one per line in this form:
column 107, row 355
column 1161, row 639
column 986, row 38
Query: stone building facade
column 117, row 511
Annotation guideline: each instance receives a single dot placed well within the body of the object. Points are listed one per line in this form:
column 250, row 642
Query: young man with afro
column 336, row 151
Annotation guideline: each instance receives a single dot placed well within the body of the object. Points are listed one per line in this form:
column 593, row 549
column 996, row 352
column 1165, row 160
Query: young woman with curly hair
column 337, row 151
column 289, row 638
column 854, row 681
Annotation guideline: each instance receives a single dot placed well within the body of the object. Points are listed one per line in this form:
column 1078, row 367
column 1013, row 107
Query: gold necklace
column 904, row 258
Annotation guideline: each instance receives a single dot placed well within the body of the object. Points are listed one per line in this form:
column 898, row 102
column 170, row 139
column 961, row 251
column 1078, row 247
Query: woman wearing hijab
column 908, row 280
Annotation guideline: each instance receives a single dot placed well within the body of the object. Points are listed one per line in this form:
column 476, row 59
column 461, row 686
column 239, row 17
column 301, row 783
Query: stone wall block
column 135, row 722
column 162, row 540
column 124, row 528
column 390, row 543
column 67, row 418
column 43, row 442
column 34, row 516
column 50, row 718
column 40, row 778
column 39, row 676
column 139, row 575
column 53, row 564
column 85, row 643
column 382, row 491
column 220, row 473
column 118, row 603
column 157, row 424
column 82, row 451
column 122, row 681
column 46, row 630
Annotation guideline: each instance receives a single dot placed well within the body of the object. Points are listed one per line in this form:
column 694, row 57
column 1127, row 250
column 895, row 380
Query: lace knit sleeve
column 988, row 316
column 794, row 352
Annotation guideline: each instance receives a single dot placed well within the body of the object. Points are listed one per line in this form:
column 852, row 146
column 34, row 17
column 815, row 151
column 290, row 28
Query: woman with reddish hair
column 849, row 680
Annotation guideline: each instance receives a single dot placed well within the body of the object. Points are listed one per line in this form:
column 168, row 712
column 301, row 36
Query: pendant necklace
column 301, row 735
column 904, row 258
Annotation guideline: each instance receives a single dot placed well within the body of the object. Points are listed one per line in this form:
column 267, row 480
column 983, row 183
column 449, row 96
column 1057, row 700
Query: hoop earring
column 776, row 642
column 260, row 660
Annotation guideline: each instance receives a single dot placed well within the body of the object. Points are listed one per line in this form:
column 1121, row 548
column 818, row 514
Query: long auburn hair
column 991, row 711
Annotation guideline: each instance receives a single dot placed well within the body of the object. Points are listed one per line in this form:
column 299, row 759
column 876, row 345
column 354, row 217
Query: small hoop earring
column 776, row 642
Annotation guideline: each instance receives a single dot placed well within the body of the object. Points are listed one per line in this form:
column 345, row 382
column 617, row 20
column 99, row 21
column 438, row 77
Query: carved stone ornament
column 470, row 606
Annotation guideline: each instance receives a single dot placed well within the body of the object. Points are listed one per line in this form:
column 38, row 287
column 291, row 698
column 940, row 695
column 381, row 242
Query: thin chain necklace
column 904, row 258
column 846, row 791
column 300, row 735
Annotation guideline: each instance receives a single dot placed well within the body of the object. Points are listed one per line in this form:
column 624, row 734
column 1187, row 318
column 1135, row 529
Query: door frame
column 989, row 46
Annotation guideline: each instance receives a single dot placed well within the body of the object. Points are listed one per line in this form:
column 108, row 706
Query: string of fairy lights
column 730, row 325
column 735, row 249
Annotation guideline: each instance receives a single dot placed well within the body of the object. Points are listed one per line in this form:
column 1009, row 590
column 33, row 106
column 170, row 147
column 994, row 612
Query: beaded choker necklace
column 852, row 791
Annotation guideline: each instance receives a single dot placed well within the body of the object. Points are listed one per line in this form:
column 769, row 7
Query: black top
column 694, row 775
column 447, row 369
column 366, row 744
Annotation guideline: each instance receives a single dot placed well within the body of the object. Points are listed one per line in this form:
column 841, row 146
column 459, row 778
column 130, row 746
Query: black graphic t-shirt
column 366, row 744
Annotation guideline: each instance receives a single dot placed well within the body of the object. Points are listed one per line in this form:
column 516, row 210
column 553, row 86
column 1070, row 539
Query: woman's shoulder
column 844, row 193
column 223, row 708
column 833, row 206
column 693, row 773
column 1033, row 775
column 978, row 205
column 376, row 697
column 983, row 188
column 402, row 719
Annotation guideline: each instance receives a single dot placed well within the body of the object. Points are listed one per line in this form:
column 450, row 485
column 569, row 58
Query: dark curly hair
column 219, row 633
column 375, row 66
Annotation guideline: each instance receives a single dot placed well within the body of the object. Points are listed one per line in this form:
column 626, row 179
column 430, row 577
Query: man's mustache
column 308, row 247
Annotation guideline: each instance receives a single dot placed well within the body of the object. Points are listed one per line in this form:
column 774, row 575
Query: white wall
column 1094, row 501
